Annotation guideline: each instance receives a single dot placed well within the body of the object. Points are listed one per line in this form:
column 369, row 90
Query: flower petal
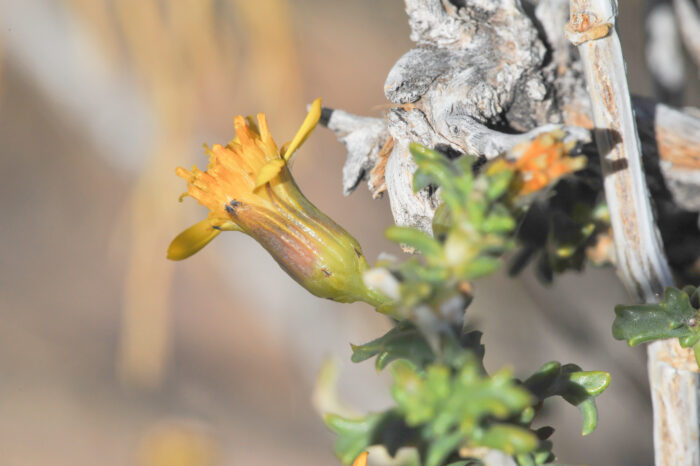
column 306, row 127
column 197, row 236
column 361, row 460
column 268, row 171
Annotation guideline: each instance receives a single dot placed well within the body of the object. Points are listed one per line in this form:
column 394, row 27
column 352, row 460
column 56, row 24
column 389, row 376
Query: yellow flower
column 248, row 187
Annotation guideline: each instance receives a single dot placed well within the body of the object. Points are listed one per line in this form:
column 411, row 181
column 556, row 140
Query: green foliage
column 473, row 228
column 355, row 435
column 676, row 316
column 446, row 401
column 402, row 342
column 464, row 406
column 577, row 387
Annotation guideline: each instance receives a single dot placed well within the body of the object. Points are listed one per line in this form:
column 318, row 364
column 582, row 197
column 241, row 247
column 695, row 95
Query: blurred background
column 111, row 355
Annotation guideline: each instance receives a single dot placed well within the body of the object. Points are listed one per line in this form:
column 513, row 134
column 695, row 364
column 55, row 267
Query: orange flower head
column 541, row 162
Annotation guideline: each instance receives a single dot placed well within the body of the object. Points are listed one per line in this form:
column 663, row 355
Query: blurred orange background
column 111, row 355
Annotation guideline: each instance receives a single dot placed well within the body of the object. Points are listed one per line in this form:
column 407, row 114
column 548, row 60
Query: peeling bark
column 363, row 138
column 672, row 137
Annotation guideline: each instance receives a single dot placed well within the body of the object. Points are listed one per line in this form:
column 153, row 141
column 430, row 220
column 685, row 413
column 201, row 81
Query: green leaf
column 498, row 184
column 674, row 317
column 527, row 416
column 476, row 212
column 441, row 401
column 424, row 153
column 442, row 221
column 590, row 416
column 402, row 342
column 421, row 180
column 594, row 382
column 441, row 448
column 438, row 169
column 354, row 435
column 420, row 397
column 689, row 340
column 543, row 454
column 577, row 387
column 479, row 267
column 465, row 163
column 498, row 221
column 525, row 459
column 510, row 439
column 546, row 376
column 416, row 239
column 545, row 432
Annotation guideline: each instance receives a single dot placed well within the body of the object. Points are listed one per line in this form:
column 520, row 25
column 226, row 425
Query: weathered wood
column 641, row 262
column 363, row 138
column 669, row 136
column 672, row 137
column 475, row 69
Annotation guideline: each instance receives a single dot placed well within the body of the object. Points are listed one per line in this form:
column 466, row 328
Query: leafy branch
column 448, row 407
column 446, row 403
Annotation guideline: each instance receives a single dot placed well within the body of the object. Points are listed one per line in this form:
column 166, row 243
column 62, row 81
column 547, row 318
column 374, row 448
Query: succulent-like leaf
column 401, row 342
column 577, row 387
column 509, row 438
column 353, row 435
column 440, row 449
column 463, row 407
column 498, row 184
column 416, row 239
column 673, row 317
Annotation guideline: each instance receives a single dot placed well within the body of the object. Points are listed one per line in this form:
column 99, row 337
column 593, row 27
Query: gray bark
column 479, row 69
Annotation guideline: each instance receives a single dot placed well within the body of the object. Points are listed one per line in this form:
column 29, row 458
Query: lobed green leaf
column 673, row 317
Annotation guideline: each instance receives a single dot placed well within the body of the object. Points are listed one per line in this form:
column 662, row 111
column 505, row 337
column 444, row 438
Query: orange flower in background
column 248, row 187
column 542, row 161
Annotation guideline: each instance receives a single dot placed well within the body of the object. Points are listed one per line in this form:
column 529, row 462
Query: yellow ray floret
column 307, row 126
column 361, row 460
column 197, row 236
column 273, row 167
